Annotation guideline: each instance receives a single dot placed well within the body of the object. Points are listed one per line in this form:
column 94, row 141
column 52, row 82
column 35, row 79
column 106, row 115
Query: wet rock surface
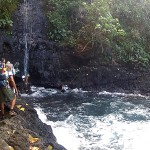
column 51, row 65
column 25, row 131
column 56, row 66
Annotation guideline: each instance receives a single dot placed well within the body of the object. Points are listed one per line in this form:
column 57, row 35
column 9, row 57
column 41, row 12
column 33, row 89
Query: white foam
column 110, row 132
column 65, row 133
column 24, row 95
column 41, row 114
column 40, row 92
column 122, row 94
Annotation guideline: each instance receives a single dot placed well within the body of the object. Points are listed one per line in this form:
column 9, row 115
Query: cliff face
column 25, row 131
column 51, row 65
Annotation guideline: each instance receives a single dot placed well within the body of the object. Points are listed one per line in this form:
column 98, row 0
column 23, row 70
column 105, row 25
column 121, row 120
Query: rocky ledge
column 26, row 131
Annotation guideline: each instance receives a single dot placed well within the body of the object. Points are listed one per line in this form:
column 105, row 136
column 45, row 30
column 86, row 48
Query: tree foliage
column 117, row 30
column 134, row 17
column 7, row 7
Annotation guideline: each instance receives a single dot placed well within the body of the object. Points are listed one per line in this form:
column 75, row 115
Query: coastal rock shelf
column 26, row 131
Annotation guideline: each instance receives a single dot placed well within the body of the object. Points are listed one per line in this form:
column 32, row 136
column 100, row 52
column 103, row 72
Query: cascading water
column 26, row 35
column 26, row 56
column 29, row 30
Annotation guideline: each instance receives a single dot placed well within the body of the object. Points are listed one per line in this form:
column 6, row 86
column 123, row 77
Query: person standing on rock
column 26, row 82
column 6, row 93
column 3, row 63
column 10, row 76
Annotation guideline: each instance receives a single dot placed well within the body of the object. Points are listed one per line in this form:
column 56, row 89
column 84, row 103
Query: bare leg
column 2, row 107
column 12, row 112
column 13, row 102
column 12, row 81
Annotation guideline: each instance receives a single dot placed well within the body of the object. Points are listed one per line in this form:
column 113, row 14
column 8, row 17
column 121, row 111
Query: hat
column 9, row 64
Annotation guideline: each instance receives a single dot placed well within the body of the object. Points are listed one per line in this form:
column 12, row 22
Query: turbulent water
column 95, row 121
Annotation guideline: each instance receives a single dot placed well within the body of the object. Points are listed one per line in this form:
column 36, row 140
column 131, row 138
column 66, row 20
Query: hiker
column 3, row 63
column 26, row 82
column 6, row 92
column 10, row 72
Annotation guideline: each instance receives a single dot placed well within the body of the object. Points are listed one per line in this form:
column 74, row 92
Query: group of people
column 8, row 88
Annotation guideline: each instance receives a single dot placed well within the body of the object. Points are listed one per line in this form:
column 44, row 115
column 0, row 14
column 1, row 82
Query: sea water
column 84, row 120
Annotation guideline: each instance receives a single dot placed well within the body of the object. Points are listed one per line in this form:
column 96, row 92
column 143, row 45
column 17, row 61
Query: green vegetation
column 7, row 7
column 117, row 30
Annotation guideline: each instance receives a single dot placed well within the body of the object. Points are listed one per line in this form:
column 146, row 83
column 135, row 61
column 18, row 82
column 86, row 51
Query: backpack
column 3, row 79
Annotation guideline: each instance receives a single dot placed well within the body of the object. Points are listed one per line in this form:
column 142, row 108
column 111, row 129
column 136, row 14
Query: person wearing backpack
column 3, row 63
column 6, row 93
column 10, row 72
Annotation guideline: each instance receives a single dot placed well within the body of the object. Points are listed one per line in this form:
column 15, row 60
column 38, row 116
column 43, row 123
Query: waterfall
column 26, row 56
column 27, row 31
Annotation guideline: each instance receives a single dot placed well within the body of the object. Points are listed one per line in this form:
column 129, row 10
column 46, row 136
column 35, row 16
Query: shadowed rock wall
column 55, row 66
column 52, row 65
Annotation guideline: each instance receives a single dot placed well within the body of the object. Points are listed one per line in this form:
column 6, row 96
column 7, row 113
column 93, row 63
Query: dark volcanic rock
column 51, row 65
column 15, row 131
column 56, row 66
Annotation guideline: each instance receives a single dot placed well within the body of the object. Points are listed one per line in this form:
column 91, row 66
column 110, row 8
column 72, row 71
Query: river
column 84, row 120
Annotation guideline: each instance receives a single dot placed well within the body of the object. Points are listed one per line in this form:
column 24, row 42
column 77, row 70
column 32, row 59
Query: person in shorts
column 6, row 93
column 10, row 76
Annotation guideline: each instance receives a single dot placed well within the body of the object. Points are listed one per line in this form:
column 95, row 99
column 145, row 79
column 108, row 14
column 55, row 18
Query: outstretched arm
column 11, row 79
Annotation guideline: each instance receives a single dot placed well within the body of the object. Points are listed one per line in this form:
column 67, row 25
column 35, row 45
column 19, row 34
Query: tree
column 115, row 30
column 7, row 7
